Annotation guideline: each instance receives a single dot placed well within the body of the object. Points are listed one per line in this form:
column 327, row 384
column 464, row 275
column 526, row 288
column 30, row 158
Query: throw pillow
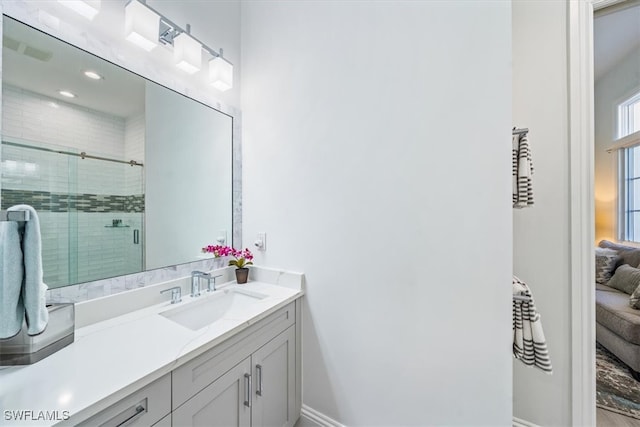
column 628, row 254
column 606, row 260
column 634, row 300
column 625, row 279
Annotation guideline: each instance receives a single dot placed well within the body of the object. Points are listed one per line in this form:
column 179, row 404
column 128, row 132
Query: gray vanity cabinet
column 221, row 404
column 274, row 384
column 250, row 380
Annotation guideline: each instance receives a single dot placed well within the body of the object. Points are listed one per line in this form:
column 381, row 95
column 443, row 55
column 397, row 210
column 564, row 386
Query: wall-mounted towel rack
column 521, row 297
column 14, row 215
column 521, row 131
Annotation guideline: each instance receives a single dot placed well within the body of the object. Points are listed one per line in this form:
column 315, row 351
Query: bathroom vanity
column 159, row 365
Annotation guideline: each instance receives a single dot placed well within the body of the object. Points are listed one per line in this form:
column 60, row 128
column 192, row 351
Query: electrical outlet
column 261, row 242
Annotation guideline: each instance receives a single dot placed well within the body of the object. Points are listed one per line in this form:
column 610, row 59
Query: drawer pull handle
column 129, row 416
column 139, row 411
column 247, row 385
column 259, row 374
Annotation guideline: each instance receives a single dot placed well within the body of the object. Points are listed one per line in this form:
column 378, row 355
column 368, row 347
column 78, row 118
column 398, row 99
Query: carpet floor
column 616, row 389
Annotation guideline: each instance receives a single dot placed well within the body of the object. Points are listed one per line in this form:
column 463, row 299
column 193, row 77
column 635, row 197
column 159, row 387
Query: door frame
column 581, row 146
column 582, row 233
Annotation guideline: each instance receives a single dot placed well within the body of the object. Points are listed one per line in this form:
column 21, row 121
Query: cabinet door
column 274, row 378
column 225, row 402
column 195, row 375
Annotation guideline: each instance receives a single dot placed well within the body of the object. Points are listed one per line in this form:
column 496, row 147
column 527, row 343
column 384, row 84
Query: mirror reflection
column 126, row 175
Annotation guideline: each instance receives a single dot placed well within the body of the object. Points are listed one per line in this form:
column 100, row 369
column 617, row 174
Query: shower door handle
column 136, row 236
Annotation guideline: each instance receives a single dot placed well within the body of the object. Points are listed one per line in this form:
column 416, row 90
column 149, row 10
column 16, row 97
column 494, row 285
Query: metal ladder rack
column 14, row 215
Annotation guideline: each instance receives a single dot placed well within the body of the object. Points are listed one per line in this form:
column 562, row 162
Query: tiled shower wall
column 31, row 116
column 76, row 199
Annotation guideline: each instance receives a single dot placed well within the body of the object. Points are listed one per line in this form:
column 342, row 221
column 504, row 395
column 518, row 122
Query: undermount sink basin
column 229, row 303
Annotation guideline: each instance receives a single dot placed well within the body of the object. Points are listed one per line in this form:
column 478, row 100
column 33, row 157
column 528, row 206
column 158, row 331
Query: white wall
column 377, row 158
column 541, row 234
column 621, row 82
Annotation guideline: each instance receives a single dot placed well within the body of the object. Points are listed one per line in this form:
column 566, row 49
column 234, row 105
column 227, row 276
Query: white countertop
column 110, row 359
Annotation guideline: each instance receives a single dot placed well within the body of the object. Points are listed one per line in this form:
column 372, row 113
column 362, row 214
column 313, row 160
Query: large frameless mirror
column 126, row 175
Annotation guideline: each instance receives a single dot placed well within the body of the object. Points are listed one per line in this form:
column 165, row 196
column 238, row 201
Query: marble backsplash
column 114, row 285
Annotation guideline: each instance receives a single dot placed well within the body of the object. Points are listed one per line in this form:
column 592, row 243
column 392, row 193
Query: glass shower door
column 36, row 175
column 91, row 209
column 109, row 209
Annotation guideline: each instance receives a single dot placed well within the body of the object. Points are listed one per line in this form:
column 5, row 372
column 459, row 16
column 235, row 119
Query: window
column 629, row 123
column 629, row 116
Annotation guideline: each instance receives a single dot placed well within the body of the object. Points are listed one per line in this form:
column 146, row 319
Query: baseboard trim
column 517, row 422
column 311, row 415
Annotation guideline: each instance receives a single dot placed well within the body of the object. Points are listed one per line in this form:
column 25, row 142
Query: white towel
column 529, row 344
column 11, row 276
column 33, row 288
column 522, row 171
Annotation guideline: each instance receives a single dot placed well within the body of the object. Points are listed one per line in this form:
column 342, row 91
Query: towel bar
column 24, row 349
column 522, row 298
column 14, row 215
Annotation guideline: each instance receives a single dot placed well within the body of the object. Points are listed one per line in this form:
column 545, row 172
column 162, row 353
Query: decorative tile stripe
column 59, row 202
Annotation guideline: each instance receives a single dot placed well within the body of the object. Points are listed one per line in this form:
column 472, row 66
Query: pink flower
column 242, row 257
column 217, row 250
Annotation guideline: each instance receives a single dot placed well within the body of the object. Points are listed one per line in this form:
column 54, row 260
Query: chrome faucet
column 195, row 282
column 211, row 280
column 176, row 294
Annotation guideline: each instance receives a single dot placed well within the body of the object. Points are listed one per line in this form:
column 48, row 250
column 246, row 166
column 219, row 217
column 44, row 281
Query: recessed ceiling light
column 93, row 75
column 66, row 93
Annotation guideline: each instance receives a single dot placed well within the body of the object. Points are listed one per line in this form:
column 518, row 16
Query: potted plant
column 242, row 259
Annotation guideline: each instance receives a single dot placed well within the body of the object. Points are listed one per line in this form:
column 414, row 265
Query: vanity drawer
column 197, row 374
column 141, row 408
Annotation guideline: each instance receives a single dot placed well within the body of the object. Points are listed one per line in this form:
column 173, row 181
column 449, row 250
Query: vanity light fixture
column 187, row 53
column 141, row 25
column 67, row 94
column 221, row 73
column 187, row 50
column 87, row 8
column 93, row 75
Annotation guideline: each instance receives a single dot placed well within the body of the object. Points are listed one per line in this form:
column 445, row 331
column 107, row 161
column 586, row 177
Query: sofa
column 617, row 322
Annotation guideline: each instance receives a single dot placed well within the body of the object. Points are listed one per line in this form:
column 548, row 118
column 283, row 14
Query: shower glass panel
column 98, row 204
